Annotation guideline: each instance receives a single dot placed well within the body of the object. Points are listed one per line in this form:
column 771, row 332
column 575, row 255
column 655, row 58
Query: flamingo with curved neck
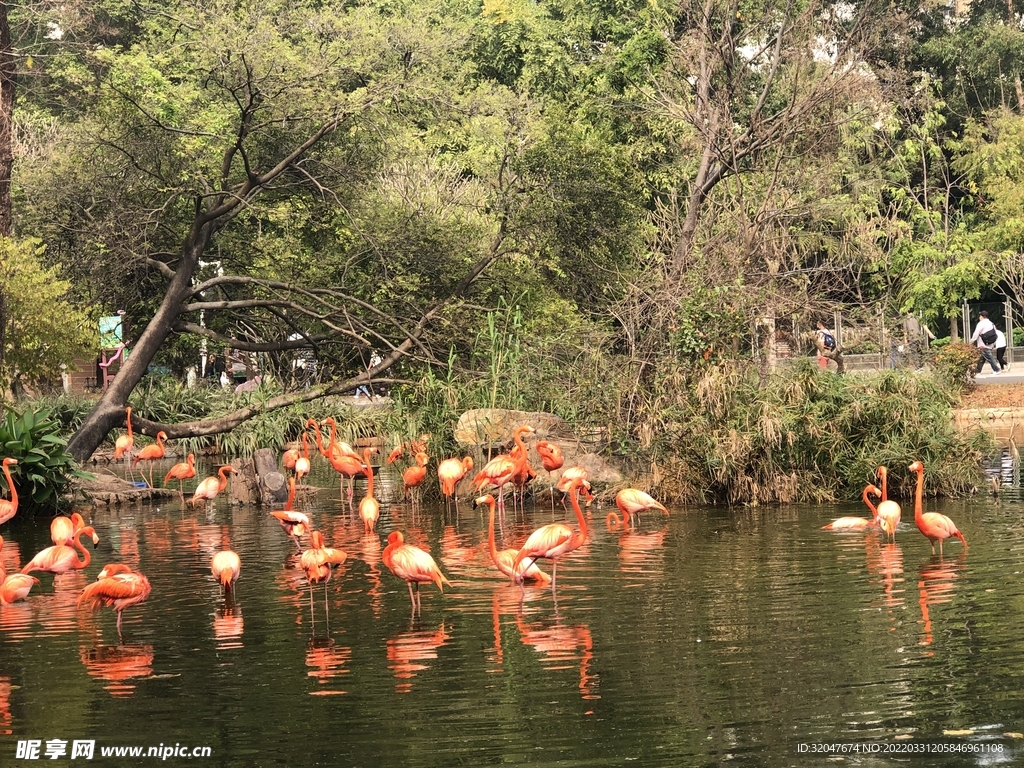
column 124, row 444
column 151, row 453
column 504, row 558
column 9, row 509
column 16, row 586
column 211, row 486
column 501, row 470
column 630, row 502
column 60, row 558
column 556, row 539
column 857, row 523
column 935, row 526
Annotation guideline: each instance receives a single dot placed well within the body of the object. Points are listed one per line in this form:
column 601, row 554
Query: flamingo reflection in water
column 936, row 586
column 6, row 719
column 559, row 645
column 407, row 651
column 885, row 562
column 326, row 661
column 228, row 625
column 117, row 664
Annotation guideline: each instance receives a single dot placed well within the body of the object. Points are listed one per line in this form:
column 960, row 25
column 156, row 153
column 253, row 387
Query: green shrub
column 45, row 469
column 956, row 364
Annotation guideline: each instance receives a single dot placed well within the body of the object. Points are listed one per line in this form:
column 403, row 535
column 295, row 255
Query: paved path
column 1015, row 375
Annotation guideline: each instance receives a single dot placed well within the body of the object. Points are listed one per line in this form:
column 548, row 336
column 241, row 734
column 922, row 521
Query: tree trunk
column 8, row 80
column 109, row 411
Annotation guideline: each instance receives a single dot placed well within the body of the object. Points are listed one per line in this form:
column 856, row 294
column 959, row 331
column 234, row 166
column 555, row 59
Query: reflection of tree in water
column 407, row 649
column 560, row 646
column 327, row 661
column 118, row 663
column 936, row 585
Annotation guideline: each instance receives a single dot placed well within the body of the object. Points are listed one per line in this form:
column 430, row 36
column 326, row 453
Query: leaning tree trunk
column 109, row 412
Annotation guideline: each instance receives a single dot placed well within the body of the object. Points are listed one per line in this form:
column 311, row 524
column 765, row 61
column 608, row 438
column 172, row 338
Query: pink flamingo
column 60, row 558
column 63, row 529
column 208, row 489
column 500, row 470
column 413, row 565
column 631, row 502
column 151, row 453
column 226, row 566
column 16, row 586
column 9, row 509
column 889, row 512
column 503, row 559
column 124, row 444
column 369, row 507
column 183, row 470
column 413, row 477
column 295, row 524
column 857, row 523
column 449, row 473
column 935, row 526
column 556, row 539
column 119, row 591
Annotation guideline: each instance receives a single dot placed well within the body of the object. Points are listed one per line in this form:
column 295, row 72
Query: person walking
column 916, row 337
column 825, row 341
column 1001, row 350
column 984, row 336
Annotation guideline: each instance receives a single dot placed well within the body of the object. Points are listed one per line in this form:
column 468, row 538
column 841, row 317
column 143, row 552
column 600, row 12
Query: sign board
column 111, row 331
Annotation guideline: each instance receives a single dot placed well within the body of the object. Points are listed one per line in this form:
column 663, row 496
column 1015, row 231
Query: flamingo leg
column 119, row 626
column 412, row 600
column 554, row 572
column 312, row 623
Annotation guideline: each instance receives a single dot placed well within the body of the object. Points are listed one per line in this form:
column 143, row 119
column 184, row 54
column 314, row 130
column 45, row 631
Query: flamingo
column 317, row 562
column 551, row 458
column 369, row 507
column 502, row 468
column 450, row 472
column 16, row 586
column 124, row 443
column 413, row 565
column 341, row 456
column 935, row 526
column 413, row 477
column 504, row 558
column 566, row 480
column 111, row 569
column 631, row 502
column 183, row 470
column 889, row 512
column 211, row 486
column 226, row 567
column 857, row 523
column 60, row 558
column 523, row 476
column 295, row 524
column 151, row 453
column 119, row 591
column 63, row 529
column 9, row 509
column 556, row 539
column 302, row 463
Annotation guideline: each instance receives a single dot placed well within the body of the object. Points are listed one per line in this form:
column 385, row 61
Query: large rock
column 107, row 488
column 494, row 426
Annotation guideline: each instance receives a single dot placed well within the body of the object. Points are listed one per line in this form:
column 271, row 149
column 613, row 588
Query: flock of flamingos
column 119, row 587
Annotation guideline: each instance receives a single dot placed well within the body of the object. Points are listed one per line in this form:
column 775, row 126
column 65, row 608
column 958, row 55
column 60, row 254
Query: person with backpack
column 985, row 336
column 828, row 348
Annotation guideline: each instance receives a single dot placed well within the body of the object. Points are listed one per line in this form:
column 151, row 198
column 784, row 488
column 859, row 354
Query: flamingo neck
column 518, row 437
column 919, row 497
column 191, row 460
column 319, row 437
column 291, row 494
column 579, row 514
column 10, row 484
column 305, row 445
column 334, row 432
column 368, row 472
column 87, row 558
column 223, row 473
column 883, row 473
column 614, row 522
column 872, row 507
column 129, row 420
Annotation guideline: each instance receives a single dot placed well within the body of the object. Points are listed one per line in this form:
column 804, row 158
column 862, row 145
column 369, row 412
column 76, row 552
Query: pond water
column 712, row 636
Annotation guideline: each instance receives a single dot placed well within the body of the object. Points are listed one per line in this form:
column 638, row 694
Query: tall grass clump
column 801, row 434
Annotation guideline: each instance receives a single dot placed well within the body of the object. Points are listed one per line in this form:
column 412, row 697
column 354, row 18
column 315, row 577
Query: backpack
column 989, row 337
column 828, row 340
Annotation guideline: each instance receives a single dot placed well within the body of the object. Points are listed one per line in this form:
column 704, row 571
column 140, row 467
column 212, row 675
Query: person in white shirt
column 1001, row 350
column 985, row 335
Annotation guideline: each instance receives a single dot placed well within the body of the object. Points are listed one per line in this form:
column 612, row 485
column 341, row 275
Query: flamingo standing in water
column 566, row 480
column 317, row 562
column 500, row 470
column 124, row 444
column 60, row 558
column 857, row 523
column 504, row 558
column 341, row 456
column 208, row 489
column 449, row 473
column 414, row 446
column 556, row 539
column 226, row 566
column 413, row 477
column 889, row 512
column 183, row 470
column 369, row 507
column 118, row 591
column 413, row 565
column 9, row 509
column 151, row 453
column 16, row 586
column 631, row 502
column 295, row 524
column 935, row 526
